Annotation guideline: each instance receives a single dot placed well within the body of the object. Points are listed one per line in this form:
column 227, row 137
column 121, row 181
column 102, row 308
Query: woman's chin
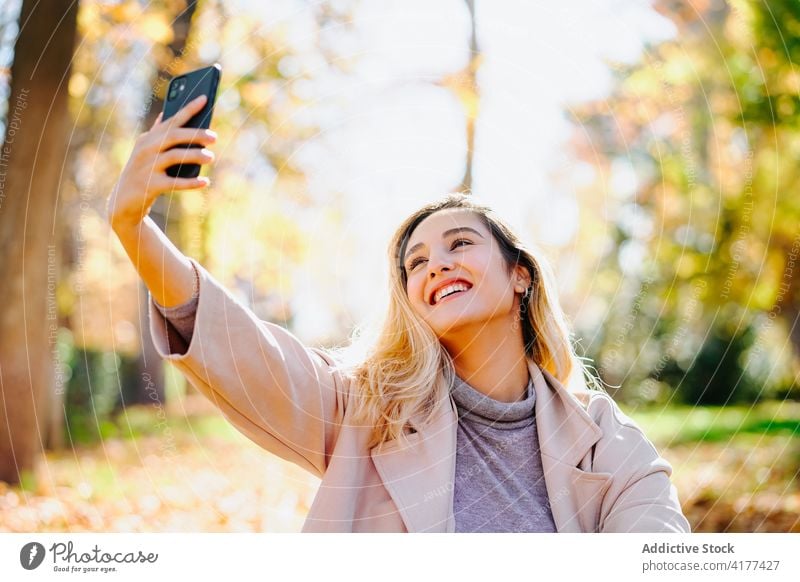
column 446, row 324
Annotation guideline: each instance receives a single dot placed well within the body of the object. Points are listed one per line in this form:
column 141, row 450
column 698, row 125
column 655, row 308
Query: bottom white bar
column 389, row 557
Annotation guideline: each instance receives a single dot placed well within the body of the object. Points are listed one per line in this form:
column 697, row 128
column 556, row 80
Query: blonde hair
column 401, row 369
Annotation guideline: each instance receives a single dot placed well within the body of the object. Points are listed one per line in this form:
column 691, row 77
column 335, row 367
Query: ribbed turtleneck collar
column 476, row 406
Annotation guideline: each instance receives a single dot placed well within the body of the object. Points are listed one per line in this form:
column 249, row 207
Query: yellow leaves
column 88, row 20
column 669, row 202
column 469, row 101
column 250, row 234
column 156, row 27
column 98, row 488
column 642, row 81
column 121, row 151
column 767, row 58
column 681, row 67
column 790, row 82
column 96, row 19
column 235, row 31
column 124, row 11
column 78, row 85
column 770, row 277
column 463, row 85
column 257, row 93
column 738, row 26
column 688, row 264
column 105, row 289
column 193, row 202
column 233, row 188
column 93, row 23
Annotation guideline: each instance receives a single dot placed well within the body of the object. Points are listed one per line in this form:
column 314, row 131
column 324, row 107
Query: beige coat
column 602, row 473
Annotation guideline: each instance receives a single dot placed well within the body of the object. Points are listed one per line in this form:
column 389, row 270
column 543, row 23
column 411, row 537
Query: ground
column 734, row 471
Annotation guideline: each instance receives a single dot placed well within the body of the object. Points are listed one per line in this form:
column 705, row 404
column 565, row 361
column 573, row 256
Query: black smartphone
column 183, row 89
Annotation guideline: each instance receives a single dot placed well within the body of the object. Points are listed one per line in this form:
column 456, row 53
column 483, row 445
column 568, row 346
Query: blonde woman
column 456, row 419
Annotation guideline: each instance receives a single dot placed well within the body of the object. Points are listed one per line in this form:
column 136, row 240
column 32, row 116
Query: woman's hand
column 144, row 177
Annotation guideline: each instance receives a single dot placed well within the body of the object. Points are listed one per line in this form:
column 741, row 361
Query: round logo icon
column 31, row 555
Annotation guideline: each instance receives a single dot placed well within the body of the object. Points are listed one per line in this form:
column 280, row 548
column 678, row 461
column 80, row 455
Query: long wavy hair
column 400, row 369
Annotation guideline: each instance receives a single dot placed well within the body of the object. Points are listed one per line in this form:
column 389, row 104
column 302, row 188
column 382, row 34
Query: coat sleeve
column 641, row 497
column 282, row 395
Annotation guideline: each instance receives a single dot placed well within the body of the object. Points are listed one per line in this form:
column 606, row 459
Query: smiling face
column 454, row 246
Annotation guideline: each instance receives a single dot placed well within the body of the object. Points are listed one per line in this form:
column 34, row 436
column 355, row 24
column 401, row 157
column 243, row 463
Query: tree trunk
column 31, row 162
column 472, row 87
column 166, row 217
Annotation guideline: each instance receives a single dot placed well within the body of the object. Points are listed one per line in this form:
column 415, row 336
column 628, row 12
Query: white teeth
column 449, row 289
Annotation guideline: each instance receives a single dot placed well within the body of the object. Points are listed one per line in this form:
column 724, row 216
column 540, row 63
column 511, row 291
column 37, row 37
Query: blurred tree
column 124, row 52
column 464, row 84
column 702, row 241
column 33, row 152
column 125, row 58
column 470, row 98
column 169, row 63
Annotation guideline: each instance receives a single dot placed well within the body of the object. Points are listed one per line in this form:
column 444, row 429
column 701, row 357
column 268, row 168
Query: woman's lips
column 448, row 297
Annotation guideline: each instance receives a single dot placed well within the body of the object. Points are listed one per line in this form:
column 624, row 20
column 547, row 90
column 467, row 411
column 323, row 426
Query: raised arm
column 165, row 271
column 284, row 396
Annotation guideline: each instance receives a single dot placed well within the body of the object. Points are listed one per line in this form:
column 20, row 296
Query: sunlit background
column 375, row 107
column 647, row 148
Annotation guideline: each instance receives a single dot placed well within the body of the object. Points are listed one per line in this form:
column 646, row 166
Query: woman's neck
column 494, row 363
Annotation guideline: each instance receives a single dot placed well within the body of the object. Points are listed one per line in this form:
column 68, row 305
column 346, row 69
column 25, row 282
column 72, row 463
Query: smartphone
column 183, row 89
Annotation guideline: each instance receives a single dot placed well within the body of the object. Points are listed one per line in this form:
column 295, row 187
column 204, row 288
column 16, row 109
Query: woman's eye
column 418, row 260
column 414, row 263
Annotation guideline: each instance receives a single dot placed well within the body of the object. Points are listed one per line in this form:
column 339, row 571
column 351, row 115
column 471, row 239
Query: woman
column 456, row 418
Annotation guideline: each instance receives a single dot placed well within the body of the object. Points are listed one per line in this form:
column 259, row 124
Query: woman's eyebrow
column 445, row 234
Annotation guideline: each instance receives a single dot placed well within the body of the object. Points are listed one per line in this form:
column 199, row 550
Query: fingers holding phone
column 167, row 157
column 174, row 156
column 172, row 137
column 182, row 115
column 190, row 104
column 144, row 176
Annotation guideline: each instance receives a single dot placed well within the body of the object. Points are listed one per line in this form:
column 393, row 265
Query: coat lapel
column 566, row 436
column 420, row 476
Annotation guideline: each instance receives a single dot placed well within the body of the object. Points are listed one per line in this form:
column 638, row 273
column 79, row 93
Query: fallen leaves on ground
column 176, row 481
column 196, row 479
column 750, row 483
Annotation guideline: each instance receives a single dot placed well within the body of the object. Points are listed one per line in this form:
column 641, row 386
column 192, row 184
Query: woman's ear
column 522, row 278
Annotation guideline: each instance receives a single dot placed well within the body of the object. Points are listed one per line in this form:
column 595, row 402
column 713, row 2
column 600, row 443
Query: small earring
column 523, row 306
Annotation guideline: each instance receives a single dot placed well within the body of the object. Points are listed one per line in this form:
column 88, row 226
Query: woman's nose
column 436, row 264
